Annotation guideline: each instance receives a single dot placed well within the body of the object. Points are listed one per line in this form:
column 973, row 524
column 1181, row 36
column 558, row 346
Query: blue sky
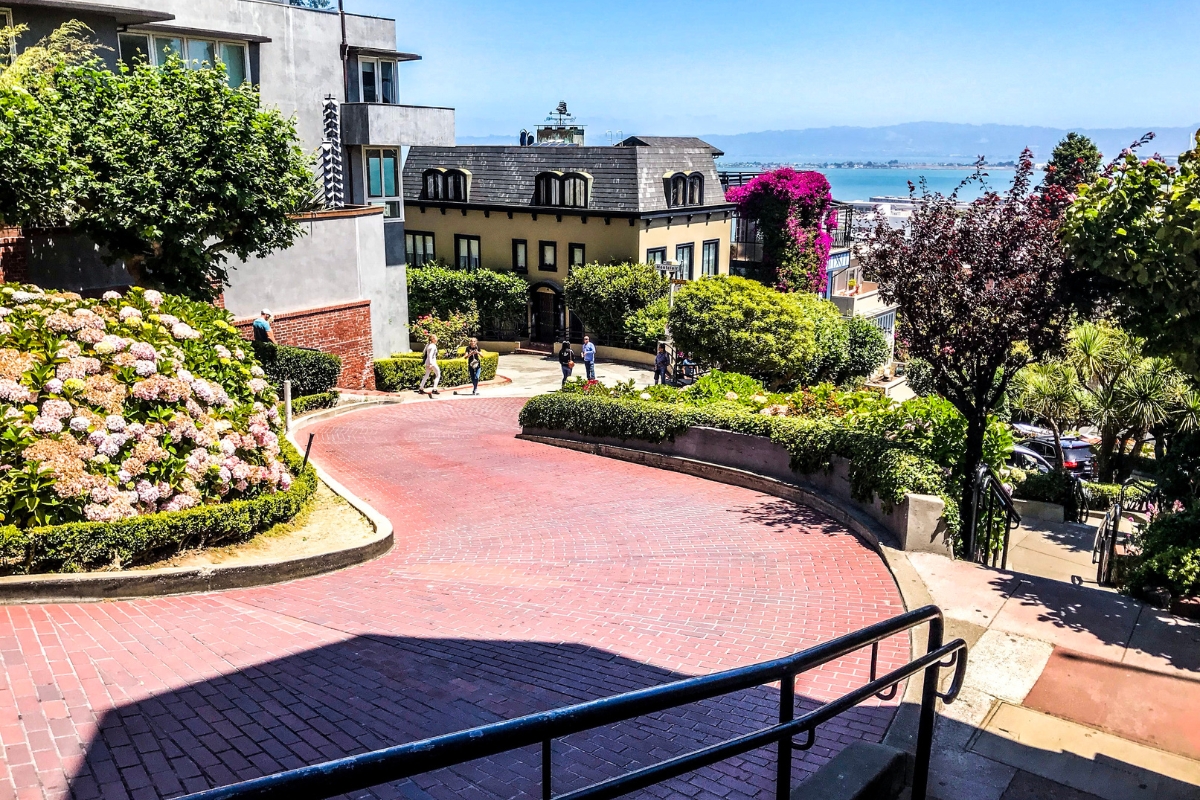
column 702, row 66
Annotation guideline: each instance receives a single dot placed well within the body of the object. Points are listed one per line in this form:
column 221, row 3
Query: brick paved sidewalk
column 524, row 577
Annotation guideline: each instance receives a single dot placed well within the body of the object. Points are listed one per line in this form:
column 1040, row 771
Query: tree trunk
column 972, row 457
column 1058, row 451
column 1106, row 457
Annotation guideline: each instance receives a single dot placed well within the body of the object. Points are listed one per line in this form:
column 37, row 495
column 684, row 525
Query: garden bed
column 405, row 370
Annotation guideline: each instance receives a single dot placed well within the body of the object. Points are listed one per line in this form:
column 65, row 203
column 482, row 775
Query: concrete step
column 862, row 771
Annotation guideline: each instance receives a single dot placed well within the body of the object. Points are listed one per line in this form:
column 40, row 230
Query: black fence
column 540, row 730
column 991, row 519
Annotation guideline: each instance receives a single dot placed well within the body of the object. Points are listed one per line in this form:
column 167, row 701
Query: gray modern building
column 340, row 77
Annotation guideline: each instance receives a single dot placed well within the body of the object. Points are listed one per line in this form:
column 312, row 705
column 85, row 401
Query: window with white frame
column 710, row 257
column 139, row 48
column 377, row 80
column 383, row 179
column 8, row 45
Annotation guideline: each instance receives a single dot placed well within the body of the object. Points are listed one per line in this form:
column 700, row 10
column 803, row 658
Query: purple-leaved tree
column 983, row 289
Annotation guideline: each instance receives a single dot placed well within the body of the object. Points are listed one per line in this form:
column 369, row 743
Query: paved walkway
column 524, row 577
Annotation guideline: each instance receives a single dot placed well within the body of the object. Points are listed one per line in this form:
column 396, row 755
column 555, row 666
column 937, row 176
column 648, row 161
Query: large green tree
column 605, row 295
column 167, row 168
column 1138, row 226
column 1074, row 160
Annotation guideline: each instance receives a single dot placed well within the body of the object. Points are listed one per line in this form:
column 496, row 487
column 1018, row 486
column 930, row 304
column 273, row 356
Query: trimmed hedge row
column 310, row 371
column 878, row 466
column 80, row 546
column 314, row 402
column 404, row 371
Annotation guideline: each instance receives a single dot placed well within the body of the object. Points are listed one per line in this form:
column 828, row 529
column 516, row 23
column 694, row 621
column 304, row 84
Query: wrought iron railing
column 992, row 518
column 1135, row 496
column 363, row 771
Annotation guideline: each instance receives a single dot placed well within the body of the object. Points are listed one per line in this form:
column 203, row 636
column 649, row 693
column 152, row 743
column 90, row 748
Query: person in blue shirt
column 662, row 365
column 262, row 328
column 589, row 358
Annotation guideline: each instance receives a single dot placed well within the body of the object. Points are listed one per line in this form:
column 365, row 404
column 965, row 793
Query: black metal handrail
column 1104, row 551
column 405, row 761
column 993, row 517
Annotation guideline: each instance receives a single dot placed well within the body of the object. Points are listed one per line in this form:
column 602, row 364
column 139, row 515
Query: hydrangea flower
column 153, row 297
column 44, row 424
column 54, row 386
column 143, row 351
column 110, row 296
column 181, row 330
column 129, row 312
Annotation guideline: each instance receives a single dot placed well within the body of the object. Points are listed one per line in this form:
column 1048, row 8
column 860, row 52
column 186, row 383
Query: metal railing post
column 929, row 692
column 547, row 791
column 787, row 710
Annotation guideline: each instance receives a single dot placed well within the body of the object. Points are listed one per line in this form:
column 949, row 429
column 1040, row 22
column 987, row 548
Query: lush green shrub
column 77, row 546
column 310, row 371
column 646, row 327
column 314, row 402
column 127, row 406
column 452, row 332
column 920, row 376
column 891, row 453
column 741, row 326
column 867, row 349
column 1055, row 486
column 1170, row 555
column 606, row 295
column 404, row 371
column 500, row 298
column 1101, row 496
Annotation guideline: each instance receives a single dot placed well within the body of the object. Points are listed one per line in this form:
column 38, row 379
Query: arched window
column 433, row 187
column 575, row 194
column 549, row 189
column 695, row 190
column 679, row 190
column 456, row 186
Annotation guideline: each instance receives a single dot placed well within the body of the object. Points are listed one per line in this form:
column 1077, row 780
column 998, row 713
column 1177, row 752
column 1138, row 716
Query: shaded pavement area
column 524, row 577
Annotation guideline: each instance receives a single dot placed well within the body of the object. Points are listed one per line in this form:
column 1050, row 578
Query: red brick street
column 524, row 577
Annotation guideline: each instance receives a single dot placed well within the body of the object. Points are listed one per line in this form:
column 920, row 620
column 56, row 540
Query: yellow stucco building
column 540, row 210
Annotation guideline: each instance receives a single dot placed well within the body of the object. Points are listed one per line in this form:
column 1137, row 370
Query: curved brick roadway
column 524, row 577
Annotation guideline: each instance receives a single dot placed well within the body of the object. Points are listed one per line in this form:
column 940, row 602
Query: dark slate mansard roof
column 626, row 178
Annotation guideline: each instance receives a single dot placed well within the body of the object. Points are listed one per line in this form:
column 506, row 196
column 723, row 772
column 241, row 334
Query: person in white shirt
column 431, row 367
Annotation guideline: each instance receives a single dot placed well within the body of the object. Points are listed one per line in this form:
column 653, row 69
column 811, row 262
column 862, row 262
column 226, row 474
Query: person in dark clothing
column 566, row 359
column 662, row 365
column 474, row 364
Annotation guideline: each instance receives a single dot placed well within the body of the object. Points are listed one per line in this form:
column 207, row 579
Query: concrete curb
column 125, row 584
column 902, row 733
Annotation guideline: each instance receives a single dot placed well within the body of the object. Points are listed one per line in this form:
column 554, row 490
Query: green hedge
column 314, row 402
column 1169, row 556
column 880, row 464
column 1056, row 486
column 404, row 371
column 80, row 546
column 310, row 371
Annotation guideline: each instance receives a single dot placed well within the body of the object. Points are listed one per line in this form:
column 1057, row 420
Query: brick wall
column 14, row 256
column 343, row 329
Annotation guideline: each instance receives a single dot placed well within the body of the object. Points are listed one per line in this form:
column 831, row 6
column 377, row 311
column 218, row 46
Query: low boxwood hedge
column 404, row 371
column 880, row 464
column 81, row 546
column 314, row 402
column 310, row 371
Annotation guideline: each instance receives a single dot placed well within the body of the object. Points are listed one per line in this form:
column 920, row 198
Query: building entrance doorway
column 547, row 312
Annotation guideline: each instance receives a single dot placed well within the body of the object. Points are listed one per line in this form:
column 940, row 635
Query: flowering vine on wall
column 794, row 212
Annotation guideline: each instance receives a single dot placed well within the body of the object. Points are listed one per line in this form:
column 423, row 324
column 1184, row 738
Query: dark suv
column 1078, row 458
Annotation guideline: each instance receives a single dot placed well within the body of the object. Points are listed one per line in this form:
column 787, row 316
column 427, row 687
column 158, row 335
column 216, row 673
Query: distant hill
column 932, row 141
column 915, row 141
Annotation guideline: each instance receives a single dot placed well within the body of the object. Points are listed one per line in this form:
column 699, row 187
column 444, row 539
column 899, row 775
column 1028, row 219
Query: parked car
column 1026, row 431
column 1078, row 458
column 1028, row 460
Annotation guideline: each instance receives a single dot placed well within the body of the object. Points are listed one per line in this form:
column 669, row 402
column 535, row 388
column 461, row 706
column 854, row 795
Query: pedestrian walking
column 566, row 359
column 474, row 364
column 662, row 365
column 262, row 327
column 589, row 357
column 431, row 367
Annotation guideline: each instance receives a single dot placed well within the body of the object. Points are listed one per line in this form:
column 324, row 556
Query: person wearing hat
column 566, row 360
column 262, row 328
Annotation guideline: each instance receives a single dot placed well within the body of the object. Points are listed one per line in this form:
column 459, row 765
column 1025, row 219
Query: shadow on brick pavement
column 371, row 692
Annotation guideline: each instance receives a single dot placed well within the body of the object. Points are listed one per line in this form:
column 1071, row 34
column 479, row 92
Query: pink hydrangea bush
column 128, row 405
column 794, row 213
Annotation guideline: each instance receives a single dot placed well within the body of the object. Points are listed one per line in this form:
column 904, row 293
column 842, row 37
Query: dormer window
column 685, row 189
column 446, row 184
column 569, row 190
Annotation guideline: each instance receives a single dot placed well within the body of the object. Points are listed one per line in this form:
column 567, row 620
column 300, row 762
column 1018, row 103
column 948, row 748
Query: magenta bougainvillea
column 794, row 214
